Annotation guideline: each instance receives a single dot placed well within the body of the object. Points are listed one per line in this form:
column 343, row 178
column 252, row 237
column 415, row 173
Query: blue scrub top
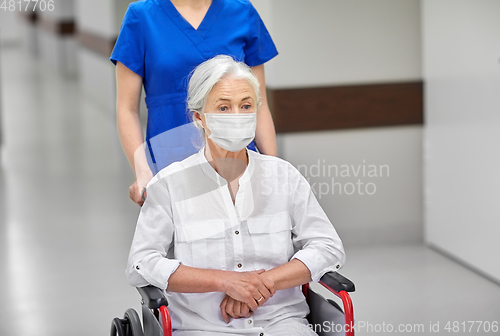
column 157, row 43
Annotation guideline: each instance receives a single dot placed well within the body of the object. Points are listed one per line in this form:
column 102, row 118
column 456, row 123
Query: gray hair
column 209, row 73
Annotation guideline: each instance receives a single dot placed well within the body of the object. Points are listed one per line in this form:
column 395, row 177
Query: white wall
column 97, row 78
column 63, row 10
column 97, row 16
column 386, row 208
column 336, row 42
column 462, row 137
column 97, row 74
column 9, row 28
column 56, row 50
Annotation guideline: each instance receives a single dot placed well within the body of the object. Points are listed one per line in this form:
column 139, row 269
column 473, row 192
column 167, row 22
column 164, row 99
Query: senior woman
column 229, row 233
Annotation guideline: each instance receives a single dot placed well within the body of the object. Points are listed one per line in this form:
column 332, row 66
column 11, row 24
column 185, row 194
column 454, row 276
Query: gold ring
column 260, row 299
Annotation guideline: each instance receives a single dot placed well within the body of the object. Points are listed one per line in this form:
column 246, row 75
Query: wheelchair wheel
column 134, row 323
column 117, row 327
column 129, row 325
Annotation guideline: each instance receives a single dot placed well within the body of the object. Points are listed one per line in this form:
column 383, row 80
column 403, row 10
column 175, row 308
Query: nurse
column 160, row 43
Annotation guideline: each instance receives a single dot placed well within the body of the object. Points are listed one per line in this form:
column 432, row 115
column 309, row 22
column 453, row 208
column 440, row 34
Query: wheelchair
column 325, row 314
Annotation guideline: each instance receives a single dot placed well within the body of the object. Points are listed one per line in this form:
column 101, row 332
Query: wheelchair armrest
column 153, row 297
column 337, row 282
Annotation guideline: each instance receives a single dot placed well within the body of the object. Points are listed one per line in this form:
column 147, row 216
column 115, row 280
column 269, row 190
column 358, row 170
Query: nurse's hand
column 136, row 193
column 229, row 307
column 248, row 287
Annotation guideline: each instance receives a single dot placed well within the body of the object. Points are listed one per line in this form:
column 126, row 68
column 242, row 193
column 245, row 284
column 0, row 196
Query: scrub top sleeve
column 129, row 47
column 259, row 47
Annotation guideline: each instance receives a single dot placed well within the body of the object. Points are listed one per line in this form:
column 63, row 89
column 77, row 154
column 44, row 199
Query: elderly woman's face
column 231, row 95
column 230, row 106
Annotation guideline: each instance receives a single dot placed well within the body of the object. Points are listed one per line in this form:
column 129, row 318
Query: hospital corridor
column 396, row 131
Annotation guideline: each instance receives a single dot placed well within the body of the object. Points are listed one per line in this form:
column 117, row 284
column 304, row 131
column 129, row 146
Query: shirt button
column 261, row 334
column 249, row 321
column 237, row 232
column 239, row 265
column 137, row 267
column 338, row 266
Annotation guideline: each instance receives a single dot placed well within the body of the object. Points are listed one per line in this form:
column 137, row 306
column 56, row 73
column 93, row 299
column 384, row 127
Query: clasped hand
column 245, row 292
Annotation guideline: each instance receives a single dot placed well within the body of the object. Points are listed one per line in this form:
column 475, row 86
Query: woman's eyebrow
column 228, row 100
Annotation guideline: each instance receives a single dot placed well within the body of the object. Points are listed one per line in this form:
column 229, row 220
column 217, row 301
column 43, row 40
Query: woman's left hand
column 230, row 307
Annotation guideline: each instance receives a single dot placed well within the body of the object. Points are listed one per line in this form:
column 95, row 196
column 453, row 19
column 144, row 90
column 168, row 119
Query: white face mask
column 232, row 132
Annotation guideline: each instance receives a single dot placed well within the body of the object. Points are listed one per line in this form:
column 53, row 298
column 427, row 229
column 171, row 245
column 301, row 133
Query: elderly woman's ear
column 197, row 119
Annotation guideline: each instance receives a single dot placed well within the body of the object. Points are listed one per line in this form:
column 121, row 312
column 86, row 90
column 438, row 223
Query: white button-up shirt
column 189, row 218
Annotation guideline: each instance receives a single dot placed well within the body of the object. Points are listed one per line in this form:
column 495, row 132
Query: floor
column 66, row 225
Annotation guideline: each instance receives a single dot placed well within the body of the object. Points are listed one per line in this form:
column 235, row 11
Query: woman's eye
column 223, row 108
column 247, row 107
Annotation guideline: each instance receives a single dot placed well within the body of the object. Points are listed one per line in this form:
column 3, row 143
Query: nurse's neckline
column 194, row 22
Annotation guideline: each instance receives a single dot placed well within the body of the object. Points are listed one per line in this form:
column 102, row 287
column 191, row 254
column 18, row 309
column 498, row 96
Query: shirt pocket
column 201, row 244
column 272, row 238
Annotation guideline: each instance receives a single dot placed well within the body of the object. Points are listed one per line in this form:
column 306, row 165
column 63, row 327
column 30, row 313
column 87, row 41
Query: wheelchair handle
column 153, row 297
column 337, row 282
column 340, row 286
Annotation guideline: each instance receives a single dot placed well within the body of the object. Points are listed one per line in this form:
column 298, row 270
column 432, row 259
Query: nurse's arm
column 265, row 135
column 129, row 87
